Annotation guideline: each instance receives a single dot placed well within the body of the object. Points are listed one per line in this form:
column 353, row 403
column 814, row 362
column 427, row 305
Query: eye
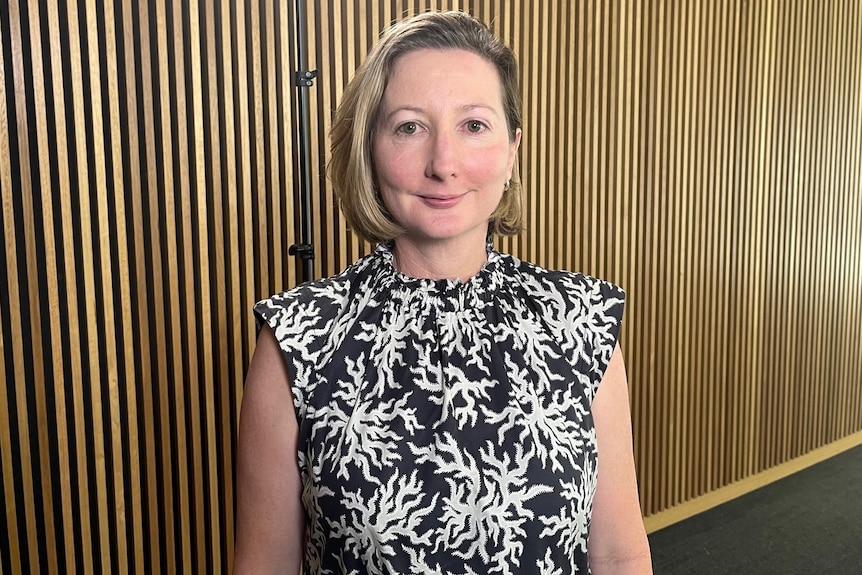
column 475, row 126
column 408, row 128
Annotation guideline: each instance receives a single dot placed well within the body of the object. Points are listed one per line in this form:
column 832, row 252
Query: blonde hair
column 351, row 167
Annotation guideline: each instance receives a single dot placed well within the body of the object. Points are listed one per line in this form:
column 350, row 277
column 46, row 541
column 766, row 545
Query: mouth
column 442, row 202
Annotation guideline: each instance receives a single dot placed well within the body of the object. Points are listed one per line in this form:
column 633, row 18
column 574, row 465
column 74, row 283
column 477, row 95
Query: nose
column 442, row 157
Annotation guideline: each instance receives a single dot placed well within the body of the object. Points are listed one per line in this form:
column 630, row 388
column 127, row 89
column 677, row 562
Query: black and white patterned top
column 445, row 427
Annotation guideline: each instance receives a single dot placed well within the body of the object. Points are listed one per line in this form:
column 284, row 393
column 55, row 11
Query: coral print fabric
column 445, row 427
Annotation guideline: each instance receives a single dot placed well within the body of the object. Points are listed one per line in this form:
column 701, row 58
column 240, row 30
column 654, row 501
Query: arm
column 618, row 541
column 270, row 518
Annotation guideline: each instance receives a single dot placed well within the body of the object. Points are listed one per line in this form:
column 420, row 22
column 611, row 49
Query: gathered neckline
column 489, row 277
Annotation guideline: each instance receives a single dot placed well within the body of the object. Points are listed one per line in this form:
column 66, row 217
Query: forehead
column 432, row 73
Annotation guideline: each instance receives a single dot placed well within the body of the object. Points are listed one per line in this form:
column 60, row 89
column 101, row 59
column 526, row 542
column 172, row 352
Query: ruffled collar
column 490, row 277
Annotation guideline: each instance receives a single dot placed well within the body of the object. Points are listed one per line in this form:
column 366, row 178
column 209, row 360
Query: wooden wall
column 704, row 155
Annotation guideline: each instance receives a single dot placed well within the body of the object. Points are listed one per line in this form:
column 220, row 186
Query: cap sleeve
column 604, row 305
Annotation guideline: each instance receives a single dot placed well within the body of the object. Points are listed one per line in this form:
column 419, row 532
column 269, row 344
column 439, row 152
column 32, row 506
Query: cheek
column 397, row 170
column 392, row 179
column 486, row 168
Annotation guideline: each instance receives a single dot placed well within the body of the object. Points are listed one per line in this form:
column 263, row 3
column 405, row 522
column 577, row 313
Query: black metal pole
column 303, row 80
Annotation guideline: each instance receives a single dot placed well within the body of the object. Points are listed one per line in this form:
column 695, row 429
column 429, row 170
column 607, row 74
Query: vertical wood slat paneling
column 41, row 357
column 10, row 336
column 155, row 318
column 134, row 168
column 141, row 412
column 706, row 156
column 20, row 414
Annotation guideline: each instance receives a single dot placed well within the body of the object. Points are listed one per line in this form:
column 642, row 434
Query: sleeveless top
column 445, row 426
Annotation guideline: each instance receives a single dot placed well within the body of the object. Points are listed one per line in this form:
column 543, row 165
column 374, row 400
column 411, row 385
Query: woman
column 438, row 407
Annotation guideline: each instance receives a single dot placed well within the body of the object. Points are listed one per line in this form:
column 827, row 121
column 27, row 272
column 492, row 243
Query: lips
column 441, row 202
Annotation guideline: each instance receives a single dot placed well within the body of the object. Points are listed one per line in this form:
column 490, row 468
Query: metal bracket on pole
column 305, row 78
column 304, row 251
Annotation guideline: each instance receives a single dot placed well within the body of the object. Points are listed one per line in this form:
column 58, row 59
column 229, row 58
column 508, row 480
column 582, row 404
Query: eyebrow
column 418, row 110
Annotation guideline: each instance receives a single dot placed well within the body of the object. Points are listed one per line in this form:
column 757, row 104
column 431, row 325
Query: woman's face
column 441, row 146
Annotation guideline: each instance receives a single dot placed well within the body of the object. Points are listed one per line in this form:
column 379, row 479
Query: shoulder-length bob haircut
column 351, row 167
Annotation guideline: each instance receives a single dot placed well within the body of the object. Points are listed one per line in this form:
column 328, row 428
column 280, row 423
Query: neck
column 438, row 260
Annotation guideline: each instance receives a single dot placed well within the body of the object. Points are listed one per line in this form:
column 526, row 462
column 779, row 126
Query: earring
column 506, row 185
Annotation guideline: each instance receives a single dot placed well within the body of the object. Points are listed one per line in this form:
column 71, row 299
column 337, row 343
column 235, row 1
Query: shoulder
column 312, row 305
column 585, row 313
column 575, row 291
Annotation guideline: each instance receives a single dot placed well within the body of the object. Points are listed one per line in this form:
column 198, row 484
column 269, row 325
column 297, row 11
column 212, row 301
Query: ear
column 513, row 152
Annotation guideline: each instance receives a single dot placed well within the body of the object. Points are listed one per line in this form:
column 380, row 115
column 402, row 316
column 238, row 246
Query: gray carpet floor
column 810, row 522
